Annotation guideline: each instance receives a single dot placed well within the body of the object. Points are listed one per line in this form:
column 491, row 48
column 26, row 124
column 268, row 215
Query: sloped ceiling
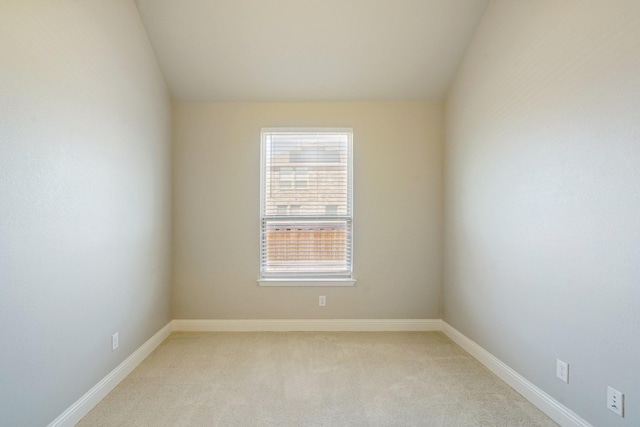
column 309, row 50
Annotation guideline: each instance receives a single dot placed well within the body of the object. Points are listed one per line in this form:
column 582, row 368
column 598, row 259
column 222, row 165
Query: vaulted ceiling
column 309, row 50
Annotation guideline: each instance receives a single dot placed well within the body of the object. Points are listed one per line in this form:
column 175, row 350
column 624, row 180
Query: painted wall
column 542, row 246
column 84, row 199
column 397, row 211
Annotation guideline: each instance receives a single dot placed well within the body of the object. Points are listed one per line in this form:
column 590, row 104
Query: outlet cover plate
column 115, row 341
column 562, row 370
column 615, row 401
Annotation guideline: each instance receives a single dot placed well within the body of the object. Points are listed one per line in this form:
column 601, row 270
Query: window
column 301, row 177
column 331, row 210
column 306, row 204
column 289, row 177
column 294, row 210
column 286, row 178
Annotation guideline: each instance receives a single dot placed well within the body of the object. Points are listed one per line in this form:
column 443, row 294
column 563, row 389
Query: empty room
column 320, row 213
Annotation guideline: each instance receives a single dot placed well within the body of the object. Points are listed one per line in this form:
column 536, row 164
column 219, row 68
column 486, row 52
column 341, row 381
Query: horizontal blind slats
column 306, row 203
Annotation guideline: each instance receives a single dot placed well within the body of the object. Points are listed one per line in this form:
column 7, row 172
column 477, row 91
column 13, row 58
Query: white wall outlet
column 322, row 301
column 562, row 370
column 115, row 341
column 615, row 401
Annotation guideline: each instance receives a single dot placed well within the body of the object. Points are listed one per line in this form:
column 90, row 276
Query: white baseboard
column 547, row 404
column 82, row 406
column 318, row 325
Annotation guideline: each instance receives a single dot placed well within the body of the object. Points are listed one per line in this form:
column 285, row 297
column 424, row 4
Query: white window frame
column 306, row 280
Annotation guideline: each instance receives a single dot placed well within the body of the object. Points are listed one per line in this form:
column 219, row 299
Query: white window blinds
column 306, row 203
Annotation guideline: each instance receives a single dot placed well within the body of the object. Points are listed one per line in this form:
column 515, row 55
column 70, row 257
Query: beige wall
column 542, row 248
column 397, row 211
column 84, row 199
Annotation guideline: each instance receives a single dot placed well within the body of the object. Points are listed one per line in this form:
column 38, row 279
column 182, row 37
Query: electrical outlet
column 615, row 401
column 322, row 301
column 114, row 341
column 562, row 370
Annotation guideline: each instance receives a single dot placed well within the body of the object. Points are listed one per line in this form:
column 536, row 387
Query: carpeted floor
column 313, row 379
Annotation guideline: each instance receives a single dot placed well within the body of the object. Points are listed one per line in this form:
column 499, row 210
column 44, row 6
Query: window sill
column 306, row 282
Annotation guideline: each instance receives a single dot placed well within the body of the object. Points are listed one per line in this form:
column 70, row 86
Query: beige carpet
column 313, row 379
